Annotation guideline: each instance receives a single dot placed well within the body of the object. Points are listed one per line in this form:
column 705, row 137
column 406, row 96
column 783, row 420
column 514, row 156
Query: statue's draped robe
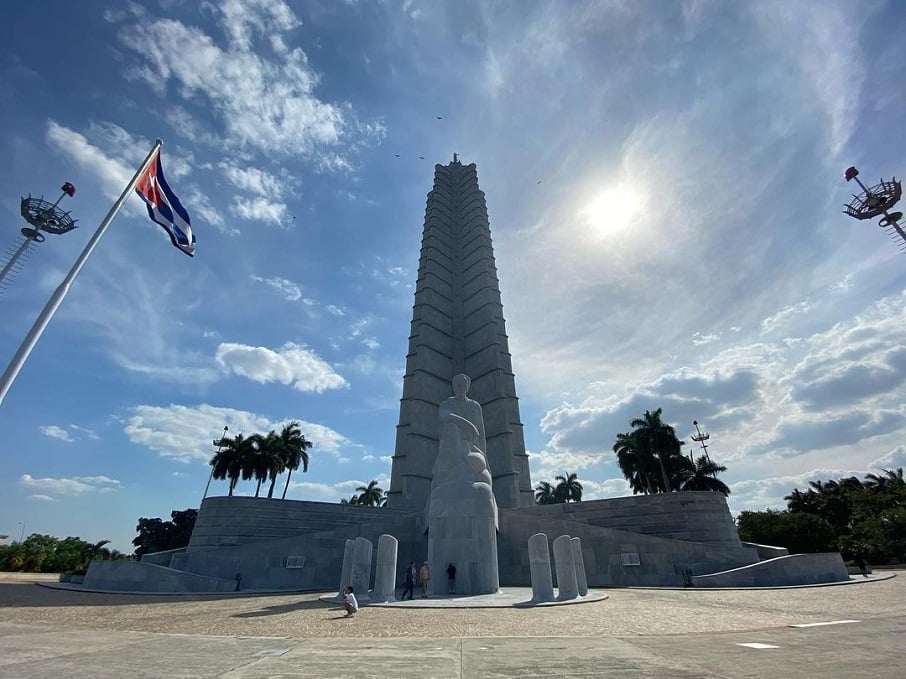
column 462, row 511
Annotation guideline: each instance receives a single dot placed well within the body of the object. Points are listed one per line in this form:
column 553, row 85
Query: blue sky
column 664, row 183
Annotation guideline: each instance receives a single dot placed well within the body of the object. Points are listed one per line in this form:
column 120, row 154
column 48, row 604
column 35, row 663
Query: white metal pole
column 15, row 365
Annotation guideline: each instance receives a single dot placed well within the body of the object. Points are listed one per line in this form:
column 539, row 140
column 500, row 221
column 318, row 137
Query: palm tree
column 660, row 439
column 635, row 461
column 569, row 489
column 272, row 454
column 295, row 450
column 807, row 502
column 260, row 460
column 353, row 500
column 370, row 495
column 702, row 475
column 228, row 462
column 885, row 481
column 545, row 493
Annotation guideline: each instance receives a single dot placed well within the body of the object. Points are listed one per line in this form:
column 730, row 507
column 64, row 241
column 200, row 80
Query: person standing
column 424, row 574
column 409, row 581
column 451, row 579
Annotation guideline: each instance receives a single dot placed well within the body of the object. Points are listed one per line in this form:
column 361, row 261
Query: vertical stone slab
column 346, row 573
column 566, row 569
column 361, row 567
column 540, row 566
column 385, row 570
column 579, row 563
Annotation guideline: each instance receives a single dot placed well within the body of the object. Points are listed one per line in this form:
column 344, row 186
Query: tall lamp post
column 875, row 201
column 219, row 445
column 42, row 216
column 700, row 438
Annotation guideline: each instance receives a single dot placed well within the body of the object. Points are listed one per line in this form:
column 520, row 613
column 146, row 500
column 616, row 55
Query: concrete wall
column 766, row 552
column 652, row 561
column 164, row 558
column 137, row 576
column 234, row 521
column 696, row 516
column 794, row 569
column 263, row 565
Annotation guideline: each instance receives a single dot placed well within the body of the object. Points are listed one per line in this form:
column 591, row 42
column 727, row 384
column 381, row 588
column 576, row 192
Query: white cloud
column 260, row 209
column 255, row 180
column 287, row 288
column 87, row 432
column 186, row 433
column 700, row 340
column 55, row 432
column 291, row 364
column 782, row 318
column 76, row 485
column 266, row 104
column 41, row 498
column 113, row 174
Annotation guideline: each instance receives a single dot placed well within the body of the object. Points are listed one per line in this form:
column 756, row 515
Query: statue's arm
column 482, row 442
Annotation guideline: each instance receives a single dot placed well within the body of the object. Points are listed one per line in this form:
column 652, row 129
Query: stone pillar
column 346, row 573
column 385, row 570
column 540, row 565
column 361, row 567
column 566, row 569
column 579, row 563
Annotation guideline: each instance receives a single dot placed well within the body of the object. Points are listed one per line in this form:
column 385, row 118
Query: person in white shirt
column 349, row 602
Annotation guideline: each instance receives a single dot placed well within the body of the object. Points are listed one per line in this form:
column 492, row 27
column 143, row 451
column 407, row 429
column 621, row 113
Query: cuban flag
column 164, row 207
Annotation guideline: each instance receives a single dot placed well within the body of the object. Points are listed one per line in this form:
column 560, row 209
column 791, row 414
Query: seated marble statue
column 461, row 472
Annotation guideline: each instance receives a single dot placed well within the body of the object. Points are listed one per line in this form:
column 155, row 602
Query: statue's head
column 461, row 385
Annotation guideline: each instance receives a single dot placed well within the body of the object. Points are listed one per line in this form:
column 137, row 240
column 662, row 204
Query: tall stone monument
column 457, row 328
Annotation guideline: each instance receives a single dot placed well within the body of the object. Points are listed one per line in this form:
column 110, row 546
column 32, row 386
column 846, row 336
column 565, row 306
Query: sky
column 664, row 183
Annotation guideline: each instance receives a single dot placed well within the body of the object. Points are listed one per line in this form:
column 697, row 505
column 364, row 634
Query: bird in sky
column 439, row 118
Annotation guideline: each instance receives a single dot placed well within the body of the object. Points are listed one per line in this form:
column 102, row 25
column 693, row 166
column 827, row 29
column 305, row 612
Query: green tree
column 800, row 533
column 545, row 493
column 702, row 475
column 569, row 489
column 636, row 462
column 230, row 461
column 295, row 450
column 371, row 495
column 659, row 439
column 156, row 535
column 266, row 462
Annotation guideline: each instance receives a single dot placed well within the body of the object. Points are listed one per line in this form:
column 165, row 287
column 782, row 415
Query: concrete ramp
column 784, row 571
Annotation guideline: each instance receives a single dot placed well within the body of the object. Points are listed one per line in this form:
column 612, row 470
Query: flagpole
column 15, row 365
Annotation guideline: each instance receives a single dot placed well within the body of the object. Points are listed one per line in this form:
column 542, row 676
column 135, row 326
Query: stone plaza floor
column 853, row 630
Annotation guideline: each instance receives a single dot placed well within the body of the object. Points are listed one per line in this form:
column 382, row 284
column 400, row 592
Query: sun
column 613, row 209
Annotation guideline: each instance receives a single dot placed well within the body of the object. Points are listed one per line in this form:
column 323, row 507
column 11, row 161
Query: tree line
column 261, row 457
column 47, row 554
column 567, row 489
column 861, row 519
column 371, row 495
column 651, row 459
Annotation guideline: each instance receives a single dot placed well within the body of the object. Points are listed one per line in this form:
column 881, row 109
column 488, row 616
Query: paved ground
column 632, row 633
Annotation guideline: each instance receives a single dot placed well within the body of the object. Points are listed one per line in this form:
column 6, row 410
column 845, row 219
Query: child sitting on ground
column 349, row 602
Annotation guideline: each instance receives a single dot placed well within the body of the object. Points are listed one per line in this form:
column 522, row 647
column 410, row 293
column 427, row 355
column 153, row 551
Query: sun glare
column 613, row 210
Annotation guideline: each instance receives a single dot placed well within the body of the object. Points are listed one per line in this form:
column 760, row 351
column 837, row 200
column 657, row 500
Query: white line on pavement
column 822, row 624
column 757, row 645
